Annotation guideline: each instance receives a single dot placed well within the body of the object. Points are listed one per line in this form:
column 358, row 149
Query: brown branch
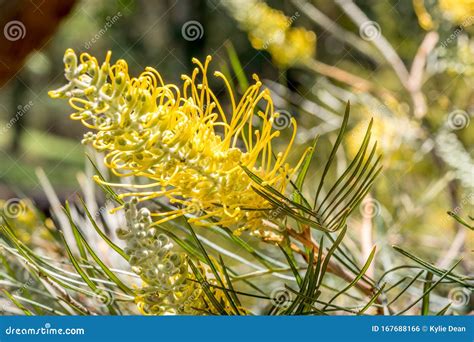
column 333, row 267
column 356, row 82
column 28, row 26
column 63, row 295
column 415, row 80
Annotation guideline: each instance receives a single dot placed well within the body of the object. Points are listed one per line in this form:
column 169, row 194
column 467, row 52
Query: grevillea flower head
column 169, row 286
column 181, row 139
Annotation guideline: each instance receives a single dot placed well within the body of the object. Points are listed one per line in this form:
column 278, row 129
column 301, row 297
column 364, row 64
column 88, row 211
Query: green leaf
column 303, row 171
column 107, row 188
column 358, row 277
column 289, row 211
column 17, row 303
column 351, row 183
column 237, row 66
column 360, row 189
column 40, row 264
column 429, row 289
column 333, row 152
column 451, row 276
column 265, row 260
column 296, row 304
column 425, row 306
column 460, row 220
column 213, row 267
column 293, row 266
column 74, row 261
column 111, row 275
column 372, row 300
column 229, row 283
column 408, row 286
column 205, row 286
column 277, row 196
column 443, row 310
column 77, row 266
column 79, row 245
column 357, row 161
column 102, row 234
column 319, row 262
column 329, row 254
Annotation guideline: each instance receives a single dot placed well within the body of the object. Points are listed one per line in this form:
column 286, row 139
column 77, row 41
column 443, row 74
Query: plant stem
column 327, row 24
column 346, row 77
column 333, row 267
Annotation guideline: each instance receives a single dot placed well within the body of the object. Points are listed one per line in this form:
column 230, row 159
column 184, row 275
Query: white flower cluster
column 168, row 288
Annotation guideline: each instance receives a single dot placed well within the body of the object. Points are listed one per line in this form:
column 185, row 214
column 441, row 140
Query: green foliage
column 319, row 278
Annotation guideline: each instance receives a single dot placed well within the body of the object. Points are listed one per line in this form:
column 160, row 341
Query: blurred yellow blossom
column 21, row 216
column 271, row 30
column 394, row 133
column 459, row 11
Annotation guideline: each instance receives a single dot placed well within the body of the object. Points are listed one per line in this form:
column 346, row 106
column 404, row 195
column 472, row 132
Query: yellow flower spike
column 182, row 140
column 169, row 287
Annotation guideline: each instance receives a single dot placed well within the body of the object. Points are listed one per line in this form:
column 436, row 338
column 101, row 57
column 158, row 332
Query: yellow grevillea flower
column 180, row 139
column 169, row 286
column 270, row 29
